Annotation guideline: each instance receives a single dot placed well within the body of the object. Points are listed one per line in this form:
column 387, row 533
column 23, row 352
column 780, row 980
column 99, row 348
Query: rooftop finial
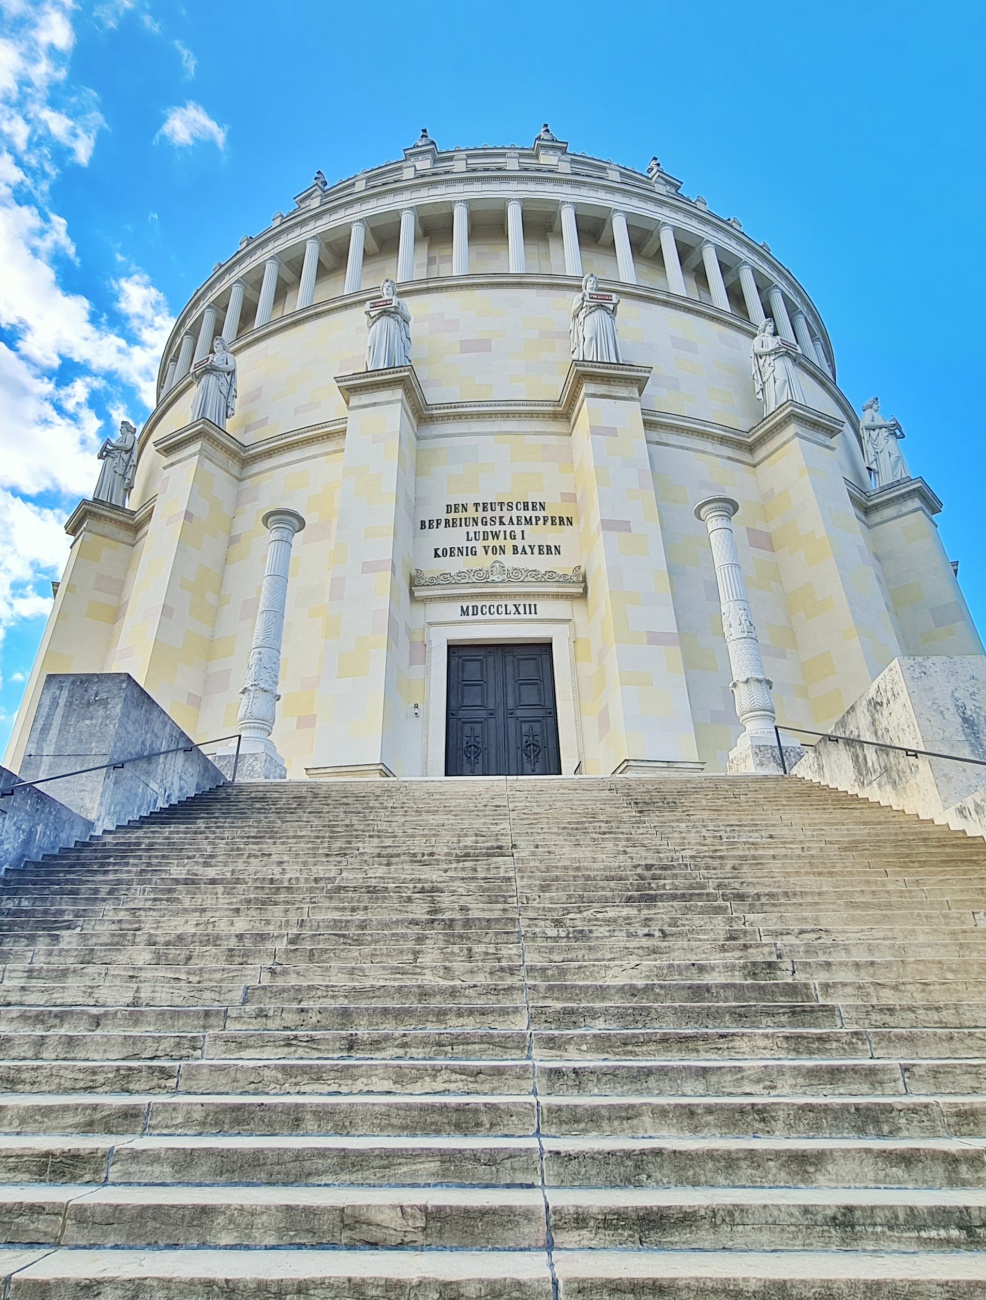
column 545, row 133
column 653, row 167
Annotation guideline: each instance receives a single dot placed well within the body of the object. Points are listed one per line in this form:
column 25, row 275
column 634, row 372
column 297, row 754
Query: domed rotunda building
column 477, row 415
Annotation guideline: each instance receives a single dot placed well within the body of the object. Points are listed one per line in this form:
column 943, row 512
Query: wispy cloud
column 190, row 123
column 188, row 60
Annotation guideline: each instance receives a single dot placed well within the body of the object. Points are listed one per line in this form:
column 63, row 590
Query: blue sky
column 140, row 139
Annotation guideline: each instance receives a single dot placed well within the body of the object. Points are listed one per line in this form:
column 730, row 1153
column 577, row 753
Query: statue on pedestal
column 775, row 369
column 116, row 476
column 215, row 375
column 881, row 445
column 388, row 341
column 593, row 326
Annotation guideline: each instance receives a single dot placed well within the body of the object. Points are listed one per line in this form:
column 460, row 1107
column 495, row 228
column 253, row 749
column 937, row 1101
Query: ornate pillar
column 185, row 350
column 754, row 307
column 354, row 266
column 309, row 270
column 207, row 332
column 169, row 375
column 255, row 720
column 570, row 239
column 267, row 290
column 778, row 309
column 713, row 273
column 460, row 237
column 405, row 249
column 624, row 253
column 803, row 335
column 672, row 263
column 515, row 237
column 823, row 357
column 231, row 325
column 757, row 747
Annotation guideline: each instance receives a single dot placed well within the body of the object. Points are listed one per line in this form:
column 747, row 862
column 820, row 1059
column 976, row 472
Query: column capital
column 716, row 507
column 283, row 518
column 409, row 212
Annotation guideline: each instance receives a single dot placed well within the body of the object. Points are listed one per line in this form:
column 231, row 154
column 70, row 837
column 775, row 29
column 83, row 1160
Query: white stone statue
column 775, row 369
column 388, row 340
column 594, row 323
column 215, row 375
column 116, row 476
column 881, row 445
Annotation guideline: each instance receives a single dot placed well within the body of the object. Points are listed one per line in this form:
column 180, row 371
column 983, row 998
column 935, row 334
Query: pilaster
column 166, row 633
column 635, row 698
column 364, row 697
column 844, row 632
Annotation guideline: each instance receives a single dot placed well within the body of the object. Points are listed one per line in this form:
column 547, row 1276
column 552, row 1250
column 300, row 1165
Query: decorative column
column 803, row 335
column 713, row 273
column 624, row 253
column 267, row 290
column 672, row 263
column 231, row 325
column 169, row 375
column 354, row 266
column 823, row 357
column 309, row 270
column 570, row 239
column 259, row 759
column 207, row 332
column 515, row 237
column 778, row 309
column 757, row 748
column 751, row 296
column 405, row 249
column 185, row 351
column 460, row 237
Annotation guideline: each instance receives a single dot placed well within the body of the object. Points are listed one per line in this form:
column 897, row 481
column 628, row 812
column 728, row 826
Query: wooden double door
column 501, row 711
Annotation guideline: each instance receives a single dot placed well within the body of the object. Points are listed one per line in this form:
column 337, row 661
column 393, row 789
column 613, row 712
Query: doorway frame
column 443, row 632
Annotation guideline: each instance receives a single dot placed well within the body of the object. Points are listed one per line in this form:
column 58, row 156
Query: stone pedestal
column 758, row 753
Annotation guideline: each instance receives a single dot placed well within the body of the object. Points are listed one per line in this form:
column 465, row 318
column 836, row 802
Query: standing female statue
column 216, row 378
column 775, row 370
column 116, row 475
column 594, row 323
column 881, row 442
column 388, row 341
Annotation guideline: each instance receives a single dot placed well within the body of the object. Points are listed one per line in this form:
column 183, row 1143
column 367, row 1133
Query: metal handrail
column 138, row 758
column 875, row 744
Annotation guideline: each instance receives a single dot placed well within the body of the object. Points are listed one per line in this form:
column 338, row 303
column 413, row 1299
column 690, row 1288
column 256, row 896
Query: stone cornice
column 689, row 428
column 608, row 375
column 792, row 420
column 499, row 581
column 893, row 501
column 114, row 522
column 202, row 436
column 366, row 382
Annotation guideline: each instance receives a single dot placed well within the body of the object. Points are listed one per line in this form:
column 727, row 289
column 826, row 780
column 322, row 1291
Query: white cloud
column 188, row 60
column 33, row 550
column 183, row 126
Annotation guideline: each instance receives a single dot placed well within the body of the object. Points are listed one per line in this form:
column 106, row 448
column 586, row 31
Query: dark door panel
column 501, row 712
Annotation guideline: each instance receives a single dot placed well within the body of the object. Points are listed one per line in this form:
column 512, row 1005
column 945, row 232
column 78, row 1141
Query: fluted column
column 803, row 335
column 750, row 684
column 624, row 253
column 405, row 250
column 778, row 309
column 460, row 237
column 570, row 240
column 515, row 237
column 754, row 307
column 207, row 332
column 309, row 271
column 672, row 262
column 255, row 719
column 821, row 352
column 185, row 350
column 231, row 325
column 267, row 290
column 354, row 266
column 169, row 375
column 713, row 273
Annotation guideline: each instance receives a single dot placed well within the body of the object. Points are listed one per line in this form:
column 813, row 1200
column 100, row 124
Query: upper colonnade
column 493, row 211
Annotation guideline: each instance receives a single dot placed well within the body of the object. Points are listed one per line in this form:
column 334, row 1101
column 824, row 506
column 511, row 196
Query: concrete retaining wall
column 33, row 824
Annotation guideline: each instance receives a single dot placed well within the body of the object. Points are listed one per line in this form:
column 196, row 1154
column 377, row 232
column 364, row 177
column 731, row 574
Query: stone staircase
column 699, row 1037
